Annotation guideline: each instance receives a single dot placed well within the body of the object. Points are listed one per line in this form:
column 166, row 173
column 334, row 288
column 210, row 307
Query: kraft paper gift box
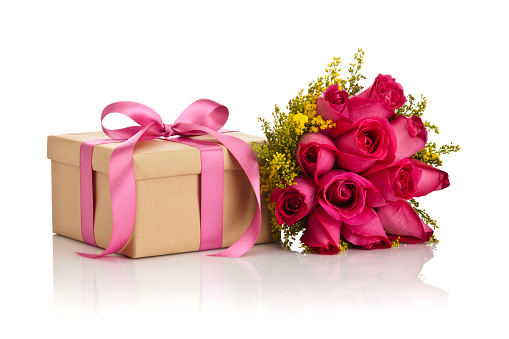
column 168, row 194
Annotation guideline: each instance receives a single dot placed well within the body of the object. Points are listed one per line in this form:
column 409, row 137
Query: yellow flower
column 300, row 121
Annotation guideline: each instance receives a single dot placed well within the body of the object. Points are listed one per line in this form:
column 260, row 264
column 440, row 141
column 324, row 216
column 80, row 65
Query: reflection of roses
column 294, row 202
column 358, row 280
column 363, row 143
column 315, row 154
column 332, row 104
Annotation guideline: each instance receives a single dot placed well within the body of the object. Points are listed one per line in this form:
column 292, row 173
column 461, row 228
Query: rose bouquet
column 343, row 167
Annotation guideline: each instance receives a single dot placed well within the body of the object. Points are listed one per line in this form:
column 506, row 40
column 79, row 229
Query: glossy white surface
column 62, row 62
column 267, row 280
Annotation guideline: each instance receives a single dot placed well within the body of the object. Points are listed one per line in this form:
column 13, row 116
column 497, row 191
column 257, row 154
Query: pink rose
column 396, row 181
column 386, row 90
column 363, row 143
column 411, row 135
column 315, row 154
column 416, row 128
column 399, row 219
column 406, row 179
column 369, row 235
column 347, row 196
column 332, row 104
column 295, row 201
column 379, row 99
column 322, row 232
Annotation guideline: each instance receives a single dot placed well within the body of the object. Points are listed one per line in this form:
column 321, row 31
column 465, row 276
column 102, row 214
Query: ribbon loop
column 204, row 116
column 205, row 113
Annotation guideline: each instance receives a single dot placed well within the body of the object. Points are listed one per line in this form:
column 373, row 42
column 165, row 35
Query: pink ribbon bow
column 201, row 117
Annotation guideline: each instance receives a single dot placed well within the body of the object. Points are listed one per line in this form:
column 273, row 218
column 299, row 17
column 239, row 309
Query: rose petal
column 399, row 219
column 406, row 144
column 307, row 188
column 318, row 138
column 322, row 232
column 361, row 107
column 340, row 128
column 353, row 163
column 366, row 215
column 369, row 235
column 325, row 162
column 364, row 93
column 347, row 143
column 432, row 179
column 374, row 198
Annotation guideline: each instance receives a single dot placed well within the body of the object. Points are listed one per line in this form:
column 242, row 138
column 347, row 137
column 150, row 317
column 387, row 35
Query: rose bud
column 399, row 219
column 386, row 90
column 395, row 181
column 333, row 104
column 322, row 232
column 369, row 235
column 411, row 135
column 363, row 143
column 347, row 196
column 380, row 99
column 295, row 201
column 315, row 154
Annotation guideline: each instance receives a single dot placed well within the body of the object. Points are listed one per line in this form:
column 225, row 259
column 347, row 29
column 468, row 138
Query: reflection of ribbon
column 212, row 282
column 201, row 117
column 121, row 286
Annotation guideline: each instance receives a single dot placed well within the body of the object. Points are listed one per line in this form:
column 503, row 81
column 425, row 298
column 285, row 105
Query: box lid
column 152, row 159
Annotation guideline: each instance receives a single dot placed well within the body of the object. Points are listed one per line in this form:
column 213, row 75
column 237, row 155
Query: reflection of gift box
column 168, row 194
column 269, row 281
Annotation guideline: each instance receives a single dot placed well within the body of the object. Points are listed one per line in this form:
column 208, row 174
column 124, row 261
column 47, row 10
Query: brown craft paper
column 168, row 195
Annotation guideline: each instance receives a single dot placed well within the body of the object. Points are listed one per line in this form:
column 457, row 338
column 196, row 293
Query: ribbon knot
column 168, row 130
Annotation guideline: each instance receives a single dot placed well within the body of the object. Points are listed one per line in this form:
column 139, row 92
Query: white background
column 62, row 62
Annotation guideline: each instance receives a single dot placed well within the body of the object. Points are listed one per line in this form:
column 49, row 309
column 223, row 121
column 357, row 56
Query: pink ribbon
column 201, row 117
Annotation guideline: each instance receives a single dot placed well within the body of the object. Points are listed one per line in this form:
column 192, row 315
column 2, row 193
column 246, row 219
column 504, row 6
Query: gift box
column 167, row 178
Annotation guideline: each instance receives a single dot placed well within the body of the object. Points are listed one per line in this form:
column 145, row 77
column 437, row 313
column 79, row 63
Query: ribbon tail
column 87, row 189
column 87, row 192
column 123, row 195
column 247, row 160
column 246, row 241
